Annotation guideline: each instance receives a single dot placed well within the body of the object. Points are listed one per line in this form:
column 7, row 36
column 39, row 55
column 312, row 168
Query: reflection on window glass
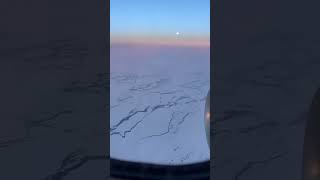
column 160, row 77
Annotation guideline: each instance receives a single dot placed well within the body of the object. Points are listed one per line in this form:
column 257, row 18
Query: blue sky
column 160, row 18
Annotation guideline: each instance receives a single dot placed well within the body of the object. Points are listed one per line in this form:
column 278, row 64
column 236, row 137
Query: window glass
column 160, row 77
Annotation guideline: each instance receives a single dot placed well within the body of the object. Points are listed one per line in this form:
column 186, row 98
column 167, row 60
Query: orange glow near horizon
column 166, row 41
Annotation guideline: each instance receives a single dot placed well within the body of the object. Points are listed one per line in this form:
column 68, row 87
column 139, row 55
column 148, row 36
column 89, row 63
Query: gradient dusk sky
column 160, row 21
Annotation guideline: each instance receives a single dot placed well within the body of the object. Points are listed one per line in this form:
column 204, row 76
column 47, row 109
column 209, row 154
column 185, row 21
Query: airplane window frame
column 139, row 171
column 311, row 147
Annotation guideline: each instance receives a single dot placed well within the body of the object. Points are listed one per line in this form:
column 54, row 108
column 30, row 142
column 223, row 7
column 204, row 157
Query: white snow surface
column 157, row 99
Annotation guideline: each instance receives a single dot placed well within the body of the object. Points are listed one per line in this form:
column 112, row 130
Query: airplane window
column 159, row 81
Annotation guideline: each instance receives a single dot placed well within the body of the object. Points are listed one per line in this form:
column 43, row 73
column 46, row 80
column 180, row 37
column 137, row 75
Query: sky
column 160, row 21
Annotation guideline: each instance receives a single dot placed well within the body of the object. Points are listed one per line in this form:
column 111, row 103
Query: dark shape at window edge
column 140, row 171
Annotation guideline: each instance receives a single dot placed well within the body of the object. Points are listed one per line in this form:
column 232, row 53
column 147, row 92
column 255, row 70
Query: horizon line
column 196, row 42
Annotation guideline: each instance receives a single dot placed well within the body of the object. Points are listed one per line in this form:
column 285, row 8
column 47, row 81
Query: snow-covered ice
column 157, row 99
